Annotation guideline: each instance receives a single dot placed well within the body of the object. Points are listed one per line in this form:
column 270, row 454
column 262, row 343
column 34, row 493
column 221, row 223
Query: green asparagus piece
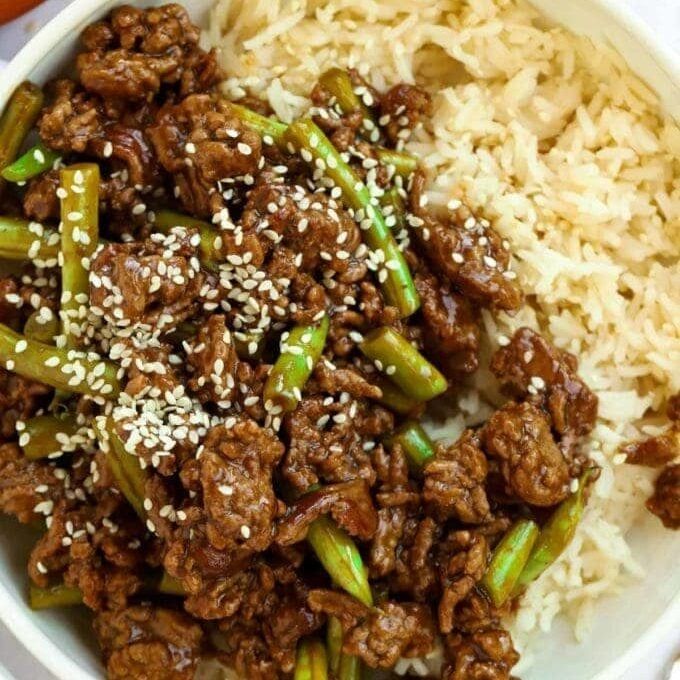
column 403, row 163
column 211, row 248
column 269, row 129
column 299, row 352
column 395, row 276
column 311, row 663
column 63, row 369
column 508, row 560
column 393, row 398
column 36, row 328
column 338, row 83
column 79, row 239
column 53, row 596
column 18, row 119
column 403, row 364
column 34, row 162
column 415, row 442
column 24, row 240
column 124, row 466
column 340, row 556
column 47, row 434
column 557, row 533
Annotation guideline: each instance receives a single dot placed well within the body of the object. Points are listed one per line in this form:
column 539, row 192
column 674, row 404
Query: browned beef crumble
column 231, row 483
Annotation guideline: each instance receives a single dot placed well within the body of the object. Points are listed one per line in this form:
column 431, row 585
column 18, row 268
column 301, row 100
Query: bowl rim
column 19, row 619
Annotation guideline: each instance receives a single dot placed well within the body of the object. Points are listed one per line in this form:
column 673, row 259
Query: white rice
column 566, row 152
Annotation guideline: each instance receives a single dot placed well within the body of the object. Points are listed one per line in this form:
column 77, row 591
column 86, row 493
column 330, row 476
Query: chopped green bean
column 338, row 83
column 269, row 129
column 300, row 351
column 48, row 434
column 18, row 119
column 53, row 596
column 341, row 558
column 124, row 466
column 169, row 585
column 403, row 163
column 350, row 668
column 34, row 162
column 79, row 239
column 24, row 240
column 557, row 533
column 395, row 277
column 40, row 329
column 211, row 248
column 403, row 364
column 394, row 209
column 334, row 644
column 415, row 442
column 393, row 398
column 311, row 663
column 63, row 369
column 508, row 561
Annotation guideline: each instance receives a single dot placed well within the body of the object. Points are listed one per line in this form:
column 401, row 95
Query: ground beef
column 135, row 53
column 451, row 333
column 466, row 252
column 313, row 225
column 149, row 642
column 247, row 652
column 665, row 502
column 530, row 367
column 462, row 559
column 534, row 468
column 40, row 200
column 156, row 283
column 20, row 398
column 403, row 106
column 454, row 481
column 201, row 143
column 28, row 489
column 349, row 504
column 483, row 655
column 380, row 635
column 398, row 500
column 655, row 451
column 213, row 361
column 236, row 477
column 327, row 440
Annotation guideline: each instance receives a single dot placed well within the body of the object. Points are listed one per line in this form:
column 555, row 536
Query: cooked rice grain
column 566, row 152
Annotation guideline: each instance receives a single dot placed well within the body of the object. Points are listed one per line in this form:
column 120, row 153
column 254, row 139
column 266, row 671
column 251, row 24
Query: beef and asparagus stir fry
column 220, row 335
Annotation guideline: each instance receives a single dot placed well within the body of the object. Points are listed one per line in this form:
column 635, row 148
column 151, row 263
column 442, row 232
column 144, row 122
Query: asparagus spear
column 395, row 276
column 403, row 364
column 79, row 239
column 48, row 434
column 311, row 663
column 34, row 162
column 63, row 369
column 124, row 466
column 210, row 246
column 557, row 533
column 54, row 596
column 24, row 240
column 415, row 442
column 508, row 560
column 18, row 119
column 36, row 328
column 339, row 555
column 299, row 352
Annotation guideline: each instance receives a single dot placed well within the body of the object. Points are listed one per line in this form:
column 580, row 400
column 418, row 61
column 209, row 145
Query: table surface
column 662, row 15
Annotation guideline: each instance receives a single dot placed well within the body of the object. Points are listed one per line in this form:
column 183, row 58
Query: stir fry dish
column 223, row 338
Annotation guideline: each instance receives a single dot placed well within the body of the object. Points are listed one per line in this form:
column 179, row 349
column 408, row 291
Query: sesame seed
column 21, row 346
column 108, row 150
column 245, row 531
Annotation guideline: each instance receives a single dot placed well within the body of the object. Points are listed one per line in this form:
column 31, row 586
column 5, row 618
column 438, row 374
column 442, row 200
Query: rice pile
column 567, row 154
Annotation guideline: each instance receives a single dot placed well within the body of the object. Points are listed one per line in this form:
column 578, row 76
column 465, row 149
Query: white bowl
column 626, row 628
